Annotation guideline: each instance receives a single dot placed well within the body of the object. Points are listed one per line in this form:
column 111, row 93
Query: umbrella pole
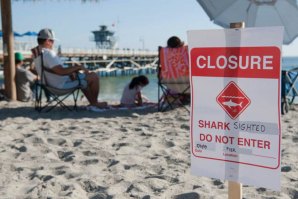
column 8, row 50
column 235, row 188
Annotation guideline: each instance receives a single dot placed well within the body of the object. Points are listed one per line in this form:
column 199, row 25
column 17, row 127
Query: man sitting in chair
column 60, row 77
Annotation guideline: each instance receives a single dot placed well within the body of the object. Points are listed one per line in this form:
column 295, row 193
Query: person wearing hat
column 24, row 79
column 60, row 77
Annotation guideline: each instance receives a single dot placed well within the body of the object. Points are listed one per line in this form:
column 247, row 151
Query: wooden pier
column 107, row 62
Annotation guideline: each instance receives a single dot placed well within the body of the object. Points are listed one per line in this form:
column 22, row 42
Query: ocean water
column 289, row 62
column 111, row 87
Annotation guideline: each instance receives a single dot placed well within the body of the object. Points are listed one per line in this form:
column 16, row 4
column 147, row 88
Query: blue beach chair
column 289, row 89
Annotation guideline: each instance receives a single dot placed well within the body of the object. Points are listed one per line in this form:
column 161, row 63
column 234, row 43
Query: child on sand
column 132, row 96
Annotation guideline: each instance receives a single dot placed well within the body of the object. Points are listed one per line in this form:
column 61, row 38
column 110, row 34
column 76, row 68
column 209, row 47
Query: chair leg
column 75, row 99
column 166, row 103
column 38, row 97
column 55, row 100
column 59, row 102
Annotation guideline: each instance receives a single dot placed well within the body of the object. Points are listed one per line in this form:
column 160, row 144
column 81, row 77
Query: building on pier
column 104, row 38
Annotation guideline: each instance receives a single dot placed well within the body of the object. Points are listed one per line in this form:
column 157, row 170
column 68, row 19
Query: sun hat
column 18, row 56
column 46, row 33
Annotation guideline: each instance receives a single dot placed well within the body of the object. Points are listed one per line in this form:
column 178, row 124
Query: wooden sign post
column 235, row 188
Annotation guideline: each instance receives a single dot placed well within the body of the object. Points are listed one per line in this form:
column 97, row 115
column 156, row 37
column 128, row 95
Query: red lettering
column 253, row 62
column 213, row 125
column 249, row 142
column 206, row 137
column 224, row 139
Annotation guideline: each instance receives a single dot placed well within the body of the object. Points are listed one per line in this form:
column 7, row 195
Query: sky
column 137, row 24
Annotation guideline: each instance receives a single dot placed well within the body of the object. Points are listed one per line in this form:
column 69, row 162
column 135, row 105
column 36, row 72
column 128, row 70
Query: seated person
column 175, row 72
column 174, row 42
column 132, row 96
column 24, row 79
column 60, row 77
column 178, row 66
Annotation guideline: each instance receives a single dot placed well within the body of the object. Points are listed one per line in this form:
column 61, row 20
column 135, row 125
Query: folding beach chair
column 289, row 89
column 56, row 96
column 173, row 78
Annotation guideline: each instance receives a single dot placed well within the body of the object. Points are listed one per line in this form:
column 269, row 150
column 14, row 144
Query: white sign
column 235, row 117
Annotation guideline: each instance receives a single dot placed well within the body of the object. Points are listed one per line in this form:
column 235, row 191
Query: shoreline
column 116, row 153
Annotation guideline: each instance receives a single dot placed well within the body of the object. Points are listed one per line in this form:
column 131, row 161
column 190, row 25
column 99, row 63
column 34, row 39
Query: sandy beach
column 115, row 154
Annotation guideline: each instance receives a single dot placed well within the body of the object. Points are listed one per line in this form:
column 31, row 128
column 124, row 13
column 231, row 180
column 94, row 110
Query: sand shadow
column 59, row 113
column 191, row 195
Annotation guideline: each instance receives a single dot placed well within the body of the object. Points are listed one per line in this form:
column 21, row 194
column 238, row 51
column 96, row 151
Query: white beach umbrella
column 255, row 13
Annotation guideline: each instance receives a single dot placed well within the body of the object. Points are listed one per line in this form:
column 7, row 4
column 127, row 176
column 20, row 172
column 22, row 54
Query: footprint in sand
column 164, row 177
column 77, row 143
column 127, row 167
column 169, row 144
column 21, row 149
column 36, row 140
column 191, row 195
column 286, row 169
column 219, row 184
column 295, row 139
column 60, row 170
column 261, row 190
column 89, row 153
column 28, row 135
column 95, row 132
column 112, row 162
column 185, row 127
column 91, row 187
column 65, row 133
column 88, row 162
column 119, row 145
column 57, row 141
column 66, row 156
column 293, row 193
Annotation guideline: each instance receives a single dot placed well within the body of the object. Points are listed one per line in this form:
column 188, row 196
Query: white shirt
column 50, row 59
column 129, row 95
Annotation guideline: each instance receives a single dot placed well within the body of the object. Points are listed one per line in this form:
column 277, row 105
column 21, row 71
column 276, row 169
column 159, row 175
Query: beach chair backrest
column 174, row 62
column 173, row 78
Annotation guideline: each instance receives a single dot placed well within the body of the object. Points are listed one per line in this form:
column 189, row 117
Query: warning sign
column 235, row 117
column 233, row 100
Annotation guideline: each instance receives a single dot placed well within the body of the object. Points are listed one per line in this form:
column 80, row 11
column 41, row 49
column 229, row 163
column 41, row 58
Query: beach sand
column 115, row 154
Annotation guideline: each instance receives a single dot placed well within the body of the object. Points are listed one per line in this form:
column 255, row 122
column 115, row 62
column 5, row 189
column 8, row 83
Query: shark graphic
column 231, row 104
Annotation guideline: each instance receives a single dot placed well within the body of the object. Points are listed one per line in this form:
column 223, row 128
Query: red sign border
column 218, row 159
column 239, row 72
